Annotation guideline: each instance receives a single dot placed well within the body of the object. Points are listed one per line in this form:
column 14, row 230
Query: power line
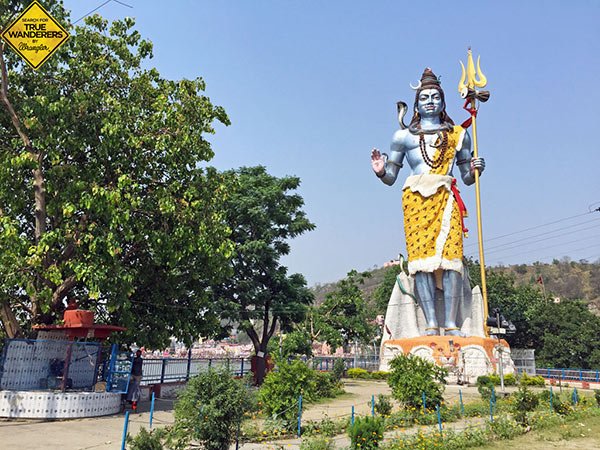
column 571, row 229
column 550, row 255
column 98, row 7
column 552, row 246
column 539, row 226
column 501, row 248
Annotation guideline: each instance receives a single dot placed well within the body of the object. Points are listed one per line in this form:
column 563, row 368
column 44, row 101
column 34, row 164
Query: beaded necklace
column 441, row 143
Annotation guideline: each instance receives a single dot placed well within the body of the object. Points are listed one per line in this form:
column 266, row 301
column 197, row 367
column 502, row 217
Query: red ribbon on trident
column 472, row 110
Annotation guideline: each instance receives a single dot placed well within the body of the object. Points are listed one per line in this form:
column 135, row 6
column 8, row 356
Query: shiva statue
column 433, row 210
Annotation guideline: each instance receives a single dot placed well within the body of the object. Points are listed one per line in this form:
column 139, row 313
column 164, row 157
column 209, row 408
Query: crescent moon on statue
column 418, row 86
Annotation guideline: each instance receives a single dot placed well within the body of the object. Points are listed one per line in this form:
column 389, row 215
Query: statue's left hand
column 479, row 164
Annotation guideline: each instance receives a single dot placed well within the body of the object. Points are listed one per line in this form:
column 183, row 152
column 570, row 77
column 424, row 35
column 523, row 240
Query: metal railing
column 591, row 376
column 166, row 370
column 325, row 363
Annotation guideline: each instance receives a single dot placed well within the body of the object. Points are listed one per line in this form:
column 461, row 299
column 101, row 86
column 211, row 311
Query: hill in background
column 562, row 279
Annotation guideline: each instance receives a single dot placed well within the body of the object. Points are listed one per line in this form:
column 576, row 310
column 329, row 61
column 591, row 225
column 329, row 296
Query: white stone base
column 58, row 405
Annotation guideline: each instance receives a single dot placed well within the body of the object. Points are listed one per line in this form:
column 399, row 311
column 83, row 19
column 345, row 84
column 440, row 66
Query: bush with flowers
column 366, row 433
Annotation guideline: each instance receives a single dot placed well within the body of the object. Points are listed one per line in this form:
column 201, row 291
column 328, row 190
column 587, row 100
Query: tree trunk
column 260, row 369
column 259, row 360
column 9, row 321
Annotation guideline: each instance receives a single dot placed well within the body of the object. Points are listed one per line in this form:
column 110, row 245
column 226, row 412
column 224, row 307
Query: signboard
column 35, row 35
column 119, row 371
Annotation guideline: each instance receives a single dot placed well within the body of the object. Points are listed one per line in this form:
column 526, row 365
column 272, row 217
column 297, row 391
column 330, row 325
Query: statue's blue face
column 429, row 103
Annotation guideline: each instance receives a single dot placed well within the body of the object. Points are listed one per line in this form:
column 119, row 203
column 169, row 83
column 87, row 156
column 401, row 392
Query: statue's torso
column 409, row 143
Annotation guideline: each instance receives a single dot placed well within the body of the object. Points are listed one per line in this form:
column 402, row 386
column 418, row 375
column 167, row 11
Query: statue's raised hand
column 377, row 162
column 479, row 164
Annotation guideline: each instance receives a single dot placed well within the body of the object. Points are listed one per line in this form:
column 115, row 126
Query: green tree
column 296, row 343
column 568, row 334
column 343, row 317
column 263, row 213
column 563, row 334
column 209, row 410
column 281, row 390
column 411, row 376
column 102, row 193
column 381, row 295
column 516, row 303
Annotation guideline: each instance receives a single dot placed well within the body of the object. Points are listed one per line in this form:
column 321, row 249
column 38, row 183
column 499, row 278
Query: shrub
column 399, row 419
column 317, row 443
column 412, row 376
column 477, row 409
column 379, row 375
column 525, row 401
column 145, row 440
column 324, row 427
column 505, row 428
column 526, row 380
column 485, row 386
column 471, row 437
column 366, row 433
column 339, row 368
column 544, row 396
column 450, row 413
column 383, row 405
column 326, row 385
column 429, row 418
column 494, row 380
column 483, row 379
column 281, row 389
column 510, row 380
column 357, row 372
column 561, row 407
column 209, row 409
column 597, row 396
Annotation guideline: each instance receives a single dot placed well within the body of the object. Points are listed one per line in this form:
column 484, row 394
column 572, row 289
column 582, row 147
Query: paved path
column 79, row 434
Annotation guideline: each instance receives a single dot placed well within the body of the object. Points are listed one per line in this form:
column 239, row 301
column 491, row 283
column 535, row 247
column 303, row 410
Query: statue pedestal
column 465, row 358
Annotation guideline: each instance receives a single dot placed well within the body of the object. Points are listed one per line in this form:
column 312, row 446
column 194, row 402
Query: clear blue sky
column 310, row 87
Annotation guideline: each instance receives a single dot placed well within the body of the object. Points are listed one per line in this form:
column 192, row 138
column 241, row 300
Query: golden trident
column 469, row 80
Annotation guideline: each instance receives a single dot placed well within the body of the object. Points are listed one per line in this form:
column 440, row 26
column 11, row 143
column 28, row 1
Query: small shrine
column 62, row 373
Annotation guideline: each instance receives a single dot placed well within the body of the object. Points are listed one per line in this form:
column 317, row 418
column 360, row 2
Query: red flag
column 540, row 280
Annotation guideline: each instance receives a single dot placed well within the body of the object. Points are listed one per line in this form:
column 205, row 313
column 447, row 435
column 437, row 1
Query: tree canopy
column 563, row 333
column 103, row 197
column 263, row 213
column 381, row 295
column 344, row 316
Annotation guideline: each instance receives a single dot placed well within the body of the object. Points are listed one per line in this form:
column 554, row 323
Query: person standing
column 134, row 392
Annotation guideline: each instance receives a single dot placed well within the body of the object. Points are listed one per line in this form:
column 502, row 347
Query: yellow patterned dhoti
column 432, row 219
column 432, row 224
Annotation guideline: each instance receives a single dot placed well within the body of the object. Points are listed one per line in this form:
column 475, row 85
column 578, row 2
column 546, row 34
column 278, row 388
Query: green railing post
column 372, row 405
column 299, row 415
